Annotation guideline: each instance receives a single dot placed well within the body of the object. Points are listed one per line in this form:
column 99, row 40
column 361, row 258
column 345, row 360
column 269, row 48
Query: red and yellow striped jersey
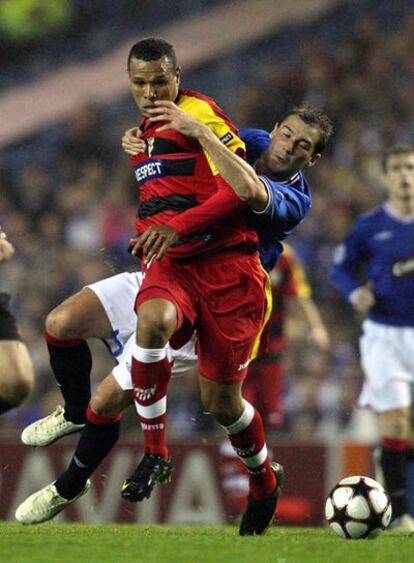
column 175, row 177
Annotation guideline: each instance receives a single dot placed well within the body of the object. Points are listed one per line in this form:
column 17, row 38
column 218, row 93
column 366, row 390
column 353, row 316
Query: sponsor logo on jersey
column 227, row 138
column 149, row 169
column 403, row 267
column 144, row 394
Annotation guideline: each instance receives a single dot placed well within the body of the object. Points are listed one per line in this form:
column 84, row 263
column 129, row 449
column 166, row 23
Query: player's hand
column 6, row 249
column 176, row 118
column 132, row 143
column 154, row 242
column 363, row 298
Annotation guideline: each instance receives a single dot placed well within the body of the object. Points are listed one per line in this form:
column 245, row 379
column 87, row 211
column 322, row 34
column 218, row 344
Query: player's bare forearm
column 234, row 170
column 318, row 332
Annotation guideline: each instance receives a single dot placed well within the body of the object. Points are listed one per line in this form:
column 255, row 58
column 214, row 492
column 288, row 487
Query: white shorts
column 387, row 359
column 183, row 361
column 117, row 295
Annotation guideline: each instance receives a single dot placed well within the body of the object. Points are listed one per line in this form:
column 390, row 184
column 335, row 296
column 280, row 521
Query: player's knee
column 103, row 406
column 59, row 324
column 157, row 324
column 99, row 406
column 396, row 424
column 224, row 408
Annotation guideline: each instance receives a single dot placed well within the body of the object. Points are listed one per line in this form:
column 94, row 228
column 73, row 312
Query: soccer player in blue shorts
column 374, row 271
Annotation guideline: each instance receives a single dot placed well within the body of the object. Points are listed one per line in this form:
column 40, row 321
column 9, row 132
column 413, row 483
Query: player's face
column 399, row 177
column 151, row 81
column 292, row 147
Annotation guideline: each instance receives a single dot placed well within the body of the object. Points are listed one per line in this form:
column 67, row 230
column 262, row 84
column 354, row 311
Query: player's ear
column 273, row 131
column 178, row 75
column 314, row 159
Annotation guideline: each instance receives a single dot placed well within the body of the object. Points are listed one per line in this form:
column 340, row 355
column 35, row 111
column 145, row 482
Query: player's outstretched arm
column 235, row 171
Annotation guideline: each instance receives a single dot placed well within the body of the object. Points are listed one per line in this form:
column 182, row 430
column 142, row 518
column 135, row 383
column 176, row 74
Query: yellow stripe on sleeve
column 203, row 111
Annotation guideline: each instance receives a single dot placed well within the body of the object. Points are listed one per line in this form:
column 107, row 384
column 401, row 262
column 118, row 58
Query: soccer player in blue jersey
column 275, row 191
column 374, row 271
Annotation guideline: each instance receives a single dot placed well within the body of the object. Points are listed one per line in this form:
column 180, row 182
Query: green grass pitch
column 78, row 543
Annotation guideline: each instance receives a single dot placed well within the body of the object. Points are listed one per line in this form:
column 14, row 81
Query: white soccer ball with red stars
column 358, row 507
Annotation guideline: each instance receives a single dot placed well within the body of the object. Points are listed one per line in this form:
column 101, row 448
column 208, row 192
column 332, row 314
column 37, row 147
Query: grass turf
column 113, row 543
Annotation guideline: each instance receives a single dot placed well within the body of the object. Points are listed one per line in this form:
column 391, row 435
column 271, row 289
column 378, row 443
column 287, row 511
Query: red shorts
column 224, row 297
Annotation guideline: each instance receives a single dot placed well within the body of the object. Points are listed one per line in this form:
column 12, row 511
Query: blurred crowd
column 70, row 215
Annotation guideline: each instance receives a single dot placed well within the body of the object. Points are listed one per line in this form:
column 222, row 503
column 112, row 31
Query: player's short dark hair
column 152, row 49
column 395, row 150
column 316, row 118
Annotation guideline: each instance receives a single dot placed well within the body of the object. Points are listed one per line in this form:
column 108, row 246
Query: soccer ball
column 358, row 507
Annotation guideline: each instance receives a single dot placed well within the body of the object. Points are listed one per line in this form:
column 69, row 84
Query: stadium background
column 67, row 193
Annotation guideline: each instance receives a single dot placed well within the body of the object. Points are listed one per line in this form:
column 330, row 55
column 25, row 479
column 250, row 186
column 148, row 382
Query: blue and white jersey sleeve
column 349, row 260
column 287, row 204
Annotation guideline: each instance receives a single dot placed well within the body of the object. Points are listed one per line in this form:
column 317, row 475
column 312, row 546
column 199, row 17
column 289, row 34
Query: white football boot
column 404, row 523
column 44, row 505
column 49, row 429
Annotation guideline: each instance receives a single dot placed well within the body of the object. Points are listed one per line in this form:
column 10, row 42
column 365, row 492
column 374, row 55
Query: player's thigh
column 232, row 315
column 80, row 316
column 395, row 423
column 109, row 398
column 381, row 357
column 16, row 371
column 117, row 295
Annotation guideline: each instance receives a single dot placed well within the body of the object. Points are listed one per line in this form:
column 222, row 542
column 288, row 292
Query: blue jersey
column 289, row 201
column 380, row 250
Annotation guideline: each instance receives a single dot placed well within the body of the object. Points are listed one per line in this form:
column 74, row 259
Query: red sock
column 150, row 382
column 248, row 440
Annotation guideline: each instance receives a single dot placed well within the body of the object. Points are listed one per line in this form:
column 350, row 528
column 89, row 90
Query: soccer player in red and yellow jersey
column 210, row 280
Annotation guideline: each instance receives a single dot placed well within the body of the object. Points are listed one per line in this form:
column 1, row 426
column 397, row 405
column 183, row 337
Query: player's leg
column 97, row 439
column 105, row 310
column 79, row 317
column 165, row 308
column 151, row 373
column 229, row 326
column 244, row 427
column 394, row 431
column 16, row 368
column 387, row 391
